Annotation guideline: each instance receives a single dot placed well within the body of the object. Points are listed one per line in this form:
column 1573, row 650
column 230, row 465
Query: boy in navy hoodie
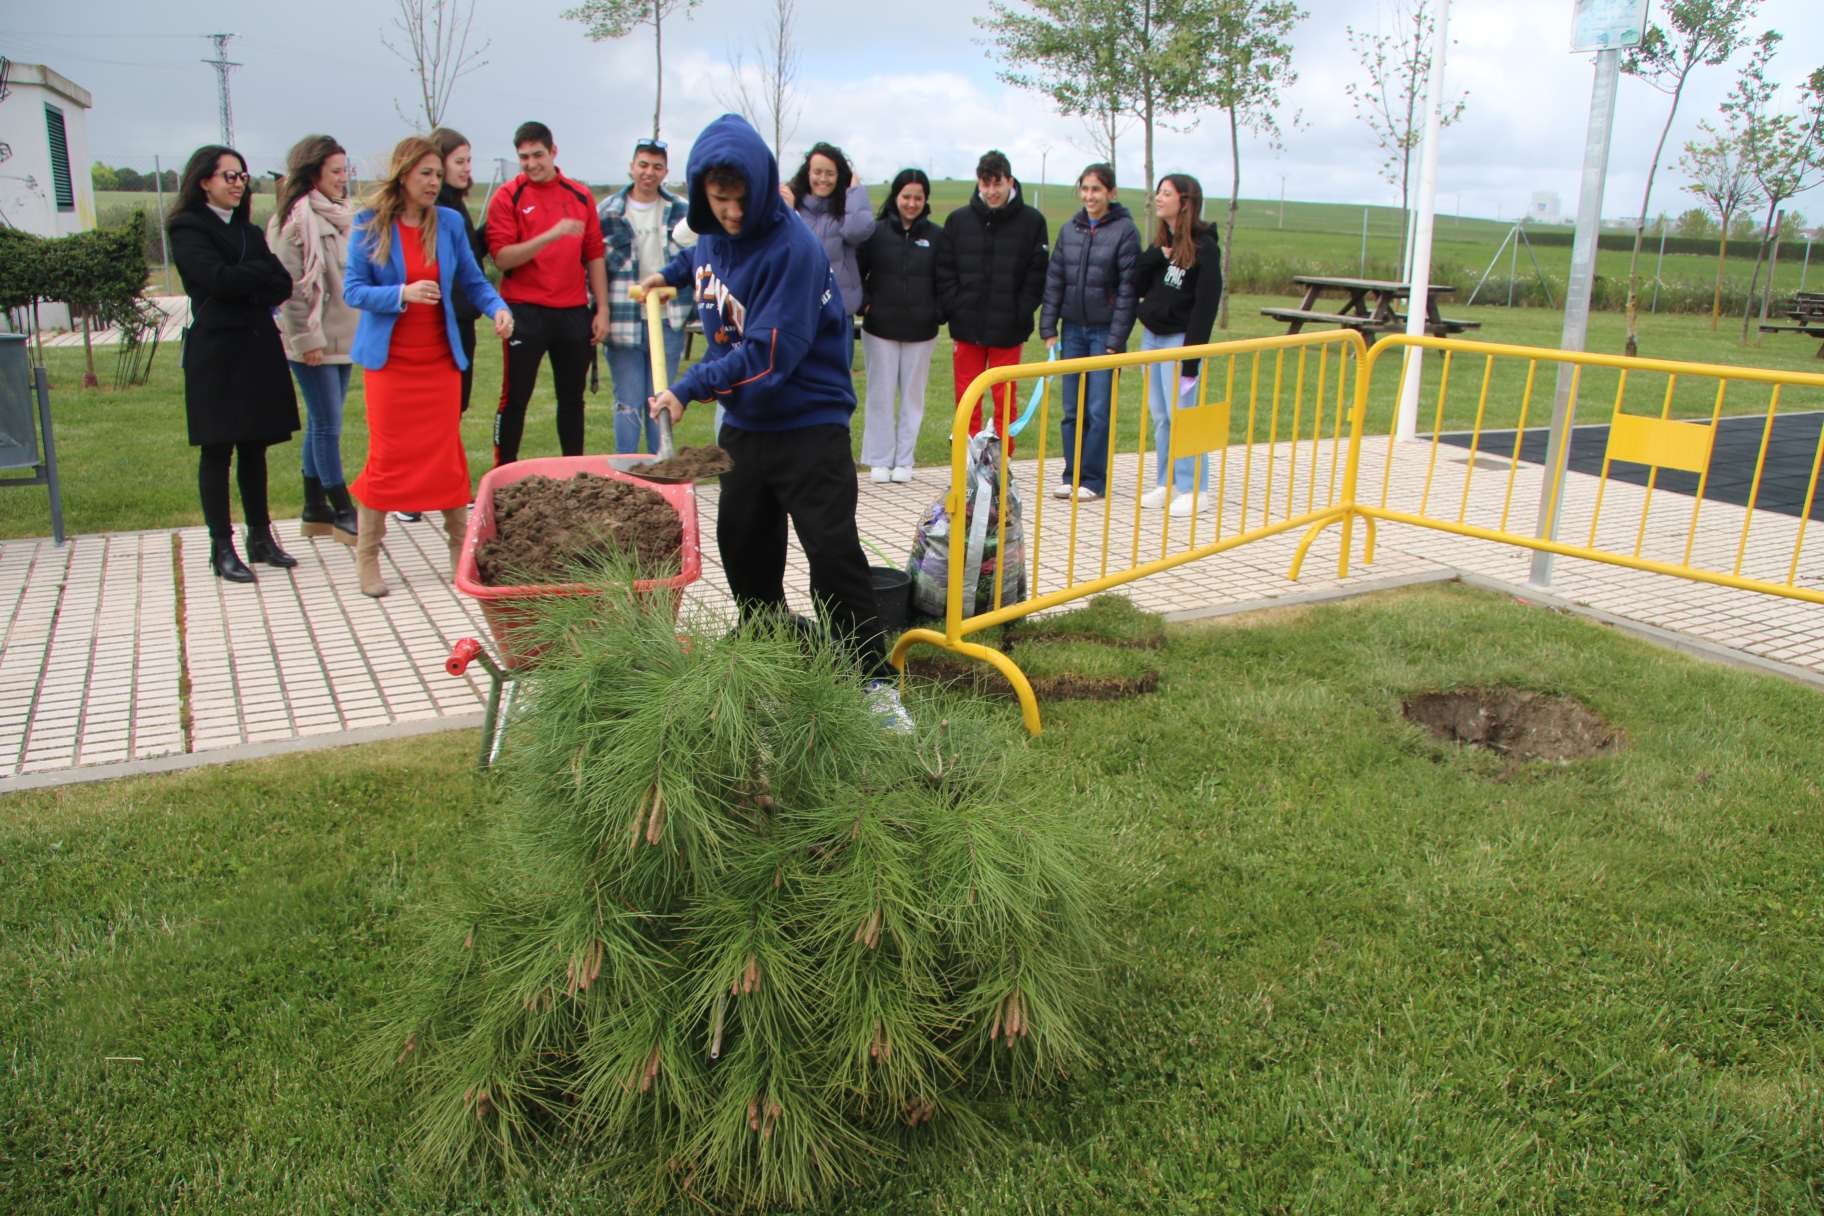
column 778, row 363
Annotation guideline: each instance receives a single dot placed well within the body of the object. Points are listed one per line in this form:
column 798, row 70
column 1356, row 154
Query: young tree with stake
column 1697, row 33
column 1720, row 175
column 1785, row 151
column 437, row 50
column 605, row 19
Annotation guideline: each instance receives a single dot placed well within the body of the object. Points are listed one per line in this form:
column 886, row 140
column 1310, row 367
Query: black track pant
column 562, row 333
column 807, row 476
column 212, row 485
column 465, row 329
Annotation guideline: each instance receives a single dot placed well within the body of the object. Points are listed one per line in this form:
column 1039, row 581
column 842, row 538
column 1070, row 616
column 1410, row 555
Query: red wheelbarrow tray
column 504, row 607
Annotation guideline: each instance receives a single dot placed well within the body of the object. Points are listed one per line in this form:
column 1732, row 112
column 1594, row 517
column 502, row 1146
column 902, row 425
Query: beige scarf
column 303, row 226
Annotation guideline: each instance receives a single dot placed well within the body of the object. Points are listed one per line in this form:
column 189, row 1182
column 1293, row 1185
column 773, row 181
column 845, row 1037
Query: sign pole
column 1577, row 299
column 1418, row 304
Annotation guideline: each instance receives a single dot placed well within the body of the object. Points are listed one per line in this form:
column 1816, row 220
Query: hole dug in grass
column 1107, row 650
column 1516, row 723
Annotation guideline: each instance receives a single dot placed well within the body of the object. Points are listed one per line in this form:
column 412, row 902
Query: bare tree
column 1391, row 100
column 1785, row 151
column 436, row 48
column 1697, row 33
column 1105, row 127
column 1720, row 175
column 605, row 19
column 1144, row 58
column 768, row 97
column 1253, row 65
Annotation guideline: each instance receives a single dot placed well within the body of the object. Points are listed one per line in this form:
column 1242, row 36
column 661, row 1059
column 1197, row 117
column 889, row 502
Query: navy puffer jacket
column 1091, row 277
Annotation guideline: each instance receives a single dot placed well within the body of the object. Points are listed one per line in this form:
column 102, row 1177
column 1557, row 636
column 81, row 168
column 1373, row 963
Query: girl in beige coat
column 309, row 233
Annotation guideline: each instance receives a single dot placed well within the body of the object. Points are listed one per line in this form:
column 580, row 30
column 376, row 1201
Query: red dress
column 415, row 459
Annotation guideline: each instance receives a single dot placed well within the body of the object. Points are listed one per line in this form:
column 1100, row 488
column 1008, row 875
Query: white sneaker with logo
column 883, row 699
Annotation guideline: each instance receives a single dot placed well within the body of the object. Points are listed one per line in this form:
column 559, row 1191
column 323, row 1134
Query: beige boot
column 371, row 530
column 455, row 527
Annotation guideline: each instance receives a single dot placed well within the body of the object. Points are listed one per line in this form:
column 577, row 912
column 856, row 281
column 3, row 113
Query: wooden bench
column 1813, row 329
column 1297, row 318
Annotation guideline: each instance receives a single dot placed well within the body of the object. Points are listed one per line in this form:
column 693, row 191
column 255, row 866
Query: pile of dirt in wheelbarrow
column 547, row 528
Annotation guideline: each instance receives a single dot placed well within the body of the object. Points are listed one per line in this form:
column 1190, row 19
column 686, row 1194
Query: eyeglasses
column 232, row 178
column 650, row 145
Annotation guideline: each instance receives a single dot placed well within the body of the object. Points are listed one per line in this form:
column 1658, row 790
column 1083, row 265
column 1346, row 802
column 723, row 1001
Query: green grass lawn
column 126, row 465
column 1354, row 970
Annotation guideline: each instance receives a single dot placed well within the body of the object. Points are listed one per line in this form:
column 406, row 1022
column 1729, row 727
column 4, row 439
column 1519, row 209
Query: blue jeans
column 324, row 387
column 631, row 370
column 1162, row 396
column 1075, row 342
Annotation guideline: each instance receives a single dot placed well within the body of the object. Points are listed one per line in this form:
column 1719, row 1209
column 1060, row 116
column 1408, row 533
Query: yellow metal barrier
column 1271, row 422
column 1291, row 425
column 1662, row 418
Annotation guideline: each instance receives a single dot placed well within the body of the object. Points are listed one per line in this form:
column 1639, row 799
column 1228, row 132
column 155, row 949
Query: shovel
column 654, row 304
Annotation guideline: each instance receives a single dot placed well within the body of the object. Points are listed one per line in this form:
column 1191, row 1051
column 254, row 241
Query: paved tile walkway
column 109, row 640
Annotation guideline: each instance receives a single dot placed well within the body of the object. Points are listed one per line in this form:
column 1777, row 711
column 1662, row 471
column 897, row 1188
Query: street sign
column 1608, row 25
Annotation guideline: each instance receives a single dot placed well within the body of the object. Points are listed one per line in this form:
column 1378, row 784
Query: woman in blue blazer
column 407, row 258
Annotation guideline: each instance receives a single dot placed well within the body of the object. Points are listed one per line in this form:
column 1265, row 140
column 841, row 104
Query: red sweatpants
column 969, row 361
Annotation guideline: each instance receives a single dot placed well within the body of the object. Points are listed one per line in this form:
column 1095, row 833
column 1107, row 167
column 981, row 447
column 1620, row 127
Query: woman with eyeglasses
column 308, row 232
column 408, row 259
column 826, row 196
column 238, row 396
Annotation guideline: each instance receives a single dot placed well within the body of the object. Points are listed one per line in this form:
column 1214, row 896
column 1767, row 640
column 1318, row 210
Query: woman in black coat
column 900, row 319
column 238, row 395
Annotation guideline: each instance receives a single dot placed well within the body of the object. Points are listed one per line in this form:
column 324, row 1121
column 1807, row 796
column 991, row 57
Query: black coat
column 237, row 387
column 1090, row 280
column 899, row 280
column 991, row 271
column 451, row 197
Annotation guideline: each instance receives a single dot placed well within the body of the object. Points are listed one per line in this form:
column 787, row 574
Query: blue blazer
column 378, row 291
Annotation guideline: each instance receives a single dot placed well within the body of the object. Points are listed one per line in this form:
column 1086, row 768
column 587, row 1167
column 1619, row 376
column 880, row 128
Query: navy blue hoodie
column 779, row 339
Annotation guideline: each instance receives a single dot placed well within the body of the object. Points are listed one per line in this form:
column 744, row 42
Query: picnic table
column 1369, row 306
column 1806, row 313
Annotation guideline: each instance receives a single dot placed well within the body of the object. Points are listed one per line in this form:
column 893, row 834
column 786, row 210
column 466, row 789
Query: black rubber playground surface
column 1790, row 454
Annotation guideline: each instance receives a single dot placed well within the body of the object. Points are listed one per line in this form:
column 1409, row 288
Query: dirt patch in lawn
column 1523, row 725
column 548, row 527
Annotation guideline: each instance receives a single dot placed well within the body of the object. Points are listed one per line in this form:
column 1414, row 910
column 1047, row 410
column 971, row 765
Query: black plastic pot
column 892, row 596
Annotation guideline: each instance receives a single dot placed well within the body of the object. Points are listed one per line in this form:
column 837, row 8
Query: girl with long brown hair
column 1179, row 283
column 309, row 232
column 408, row 258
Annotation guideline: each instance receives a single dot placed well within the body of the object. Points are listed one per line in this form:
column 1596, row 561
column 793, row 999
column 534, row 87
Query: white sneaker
column 1153, row 499
column 902, row 473
column 880, row 473
column 1061, row 490
column 1182, row 505
column 884, row 700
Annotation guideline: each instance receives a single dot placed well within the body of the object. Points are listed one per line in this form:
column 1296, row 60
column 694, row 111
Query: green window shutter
column 60, row 159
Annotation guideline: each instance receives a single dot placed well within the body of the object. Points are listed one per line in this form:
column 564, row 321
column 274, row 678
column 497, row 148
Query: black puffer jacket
column 1091, row 277
column 455, row 200
column 991, row 270
column 899, row 280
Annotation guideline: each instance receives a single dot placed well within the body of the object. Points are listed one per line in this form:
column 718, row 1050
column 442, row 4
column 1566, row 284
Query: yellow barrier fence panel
column 1640, row 488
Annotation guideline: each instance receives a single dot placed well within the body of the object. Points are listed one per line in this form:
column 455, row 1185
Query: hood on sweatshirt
column 731, row 141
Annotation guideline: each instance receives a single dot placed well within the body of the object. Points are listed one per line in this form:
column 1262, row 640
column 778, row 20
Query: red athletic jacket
column 558, row 276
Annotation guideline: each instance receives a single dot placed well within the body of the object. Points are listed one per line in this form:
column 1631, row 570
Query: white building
column 44, row 159
column 1546, row 208
column 44, row 152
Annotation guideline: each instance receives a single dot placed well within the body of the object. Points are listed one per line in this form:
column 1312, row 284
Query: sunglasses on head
column 650, row 145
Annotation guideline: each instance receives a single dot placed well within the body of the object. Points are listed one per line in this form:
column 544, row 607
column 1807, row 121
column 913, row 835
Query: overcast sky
column 893, row 85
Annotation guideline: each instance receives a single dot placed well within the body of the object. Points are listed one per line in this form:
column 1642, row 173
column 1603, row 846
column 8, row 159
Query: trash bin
column 18, row 427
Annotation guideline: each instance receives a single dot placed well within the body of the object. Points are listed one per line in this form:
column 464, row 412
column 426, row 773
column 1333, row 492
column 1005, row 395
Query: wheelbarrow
column 507, row 609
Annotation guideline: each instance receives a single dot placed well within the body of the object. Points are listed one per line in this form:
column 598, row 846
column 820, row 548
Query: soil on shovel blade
column 548, row 527
column 689, row 464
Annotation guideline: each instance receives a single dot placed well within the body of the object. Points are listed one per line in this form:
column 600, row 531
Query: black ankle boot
column 342, row 513
column 318, row 518
column 262, row 548
column 226, row 562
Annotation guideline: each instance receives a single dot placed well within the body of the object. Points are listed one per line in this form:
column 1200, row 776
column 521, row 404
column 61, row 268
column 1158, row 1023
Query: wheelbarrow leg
column 494, row 727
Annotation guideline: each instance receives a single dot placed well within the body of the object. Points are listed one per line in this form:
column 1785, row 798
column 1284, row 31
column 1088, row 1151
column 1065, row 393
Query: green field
column 1353, row 969
column 1326, row 238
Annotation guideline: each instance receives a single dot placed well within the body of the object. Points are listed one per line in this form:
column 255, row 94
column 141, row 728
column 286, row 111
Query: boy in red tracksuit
column 543, row 234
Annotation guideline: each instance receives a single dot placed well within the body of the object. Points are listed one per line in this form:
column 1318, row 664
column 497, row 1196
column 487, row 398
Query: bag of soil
column 981, row 538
